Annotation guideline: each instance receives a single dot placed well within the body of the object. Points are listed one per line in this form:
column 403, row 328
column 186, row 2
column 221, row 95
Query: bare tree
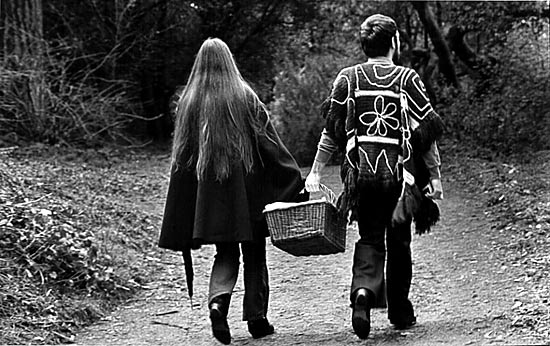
column 441, row 48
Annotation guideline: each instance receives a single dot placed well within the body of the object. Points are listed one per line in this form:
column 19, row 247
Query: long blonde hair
column 216, row 116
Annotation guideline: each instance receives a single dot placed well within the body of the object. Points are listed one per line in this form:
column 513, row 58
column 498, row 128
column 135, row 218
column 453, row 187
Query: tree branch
column 446, row 65
column 477, row 63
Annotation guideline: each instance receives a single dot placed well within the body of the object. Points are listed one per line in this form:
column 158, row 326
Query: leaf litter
column 517, row 195
column 73, row 231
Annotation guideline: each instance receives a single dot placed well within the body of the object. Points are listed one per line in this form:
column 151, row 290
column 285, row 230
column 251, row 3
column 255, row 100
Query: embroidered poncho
column 380, row 116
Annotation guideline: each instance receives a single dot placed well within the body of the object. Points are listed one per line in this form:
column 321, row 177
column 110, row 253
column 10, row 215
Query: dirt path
column 463, row 290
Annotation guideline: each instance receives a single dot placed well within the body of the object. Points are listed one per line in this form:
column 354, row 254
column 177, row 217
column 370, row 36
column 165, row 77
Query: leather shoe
column 220, row 327
column 360, row 319
column 260, row 328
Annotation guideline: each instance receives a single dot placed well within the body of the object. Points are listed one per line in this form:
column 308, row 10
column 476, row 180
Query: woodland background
column 93, row 72
column 88, row 82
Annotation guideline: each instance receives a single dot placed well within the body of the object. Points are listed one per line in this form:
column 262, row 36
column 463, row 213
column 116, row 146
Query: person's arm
column 335, row 113
column 425, row 123
column 433, row 163
column 427, row 127
column 325, row 148
column 282, row 176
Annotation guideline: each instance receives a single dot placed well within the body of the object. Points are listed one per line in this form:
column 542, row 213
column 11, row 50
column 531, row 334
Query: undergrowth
column 73, row 231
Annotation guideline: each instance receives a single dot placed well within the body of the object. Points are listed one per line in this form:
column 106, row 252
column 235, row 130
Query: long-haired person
column 228, row 162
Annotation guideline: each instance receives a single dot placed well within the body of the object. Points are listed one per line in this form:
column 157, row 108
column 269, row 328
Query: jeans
column 226, row 269
column 379, row 239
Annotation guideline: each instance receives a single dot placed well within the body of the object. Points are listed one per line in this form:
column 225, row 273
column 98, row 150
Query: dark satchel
column 428, row 212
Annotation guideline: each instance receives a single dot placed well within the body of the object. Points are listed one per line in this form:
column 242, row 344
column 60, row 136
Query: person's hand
column 436, row 191
column 312, row 182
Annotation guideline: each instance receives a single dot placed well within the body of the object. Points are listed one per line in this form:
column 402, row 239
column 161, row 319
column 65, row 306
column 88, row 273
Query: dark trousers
column 226, row 269
column 379, row 239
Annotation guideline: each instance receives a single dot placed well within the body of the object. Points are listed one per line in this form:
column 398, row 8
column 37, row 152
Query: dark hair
column 376, row 35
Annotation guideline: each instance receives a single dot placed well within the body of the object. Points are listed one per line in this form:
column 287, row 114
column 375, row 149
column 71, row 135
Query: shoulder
column 345, row 76
column 352, row 71
column 409, row 74
column 348, row 70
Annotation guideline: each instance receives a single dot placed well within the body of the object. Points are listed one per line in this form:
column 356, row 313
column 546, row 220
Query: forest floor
column 481, row 277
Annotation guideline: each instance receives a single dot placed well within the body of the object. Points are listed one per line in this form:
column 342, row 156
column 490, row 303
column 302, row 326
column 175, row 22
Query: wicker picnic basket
column 307, row 228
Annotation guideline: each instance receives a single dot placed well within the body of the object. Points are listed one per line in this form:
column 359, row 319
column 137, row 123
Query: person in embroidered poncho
column 379, row 115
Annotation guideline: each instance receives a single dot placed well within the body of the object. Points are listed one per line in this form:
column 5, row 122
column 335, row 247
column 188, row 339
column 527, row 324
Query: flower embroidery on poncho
column 383, row 118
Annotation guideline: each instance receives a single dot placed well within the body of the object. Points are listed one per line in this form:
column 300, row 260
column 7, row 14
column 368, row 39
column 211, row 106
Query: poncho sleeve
column 334, row 108
column 426, row 124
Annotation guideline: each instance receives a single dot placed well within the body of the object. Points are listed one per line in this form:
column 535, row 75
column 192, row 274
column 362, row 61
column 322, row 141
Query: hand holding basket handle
column 313, row 184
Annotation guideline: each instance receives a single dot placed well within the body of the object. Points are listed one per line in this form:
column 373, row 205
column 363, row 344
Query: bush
column 508, row 113
column 73, row 235
column 298, row 95
column 41, row 101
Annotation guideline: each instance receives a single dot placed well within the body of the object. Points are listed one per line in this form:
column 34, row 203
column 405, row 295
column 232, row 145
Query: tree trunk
column 37, row 51
column 479, row 64
column 154, row 83
column 24, row 49
column 446, row 65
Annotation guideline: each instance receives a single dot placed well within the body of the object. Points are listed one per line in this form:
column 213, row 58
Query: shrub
column 41, row 101
column 73, row 234
column 510, row 112
column 298, row 94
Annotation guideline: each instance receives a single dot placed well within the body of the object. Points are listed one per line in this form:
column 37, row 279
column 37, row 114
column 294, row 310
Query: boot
column 219, row 307
column 404, row 323
column 360, row 319
column 260, row 328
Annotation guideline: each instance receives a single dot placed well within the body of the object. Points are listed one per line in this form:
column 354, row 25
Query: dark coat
column 208, row 212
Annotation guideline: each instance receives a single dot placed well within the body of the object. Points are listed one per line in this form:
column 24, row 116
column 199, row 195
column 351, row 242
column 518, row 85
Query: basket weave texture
column 309, row 228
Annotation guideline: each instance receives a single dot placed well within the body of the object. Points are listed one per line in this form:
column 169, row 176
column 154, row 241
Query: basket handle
column 329, row 194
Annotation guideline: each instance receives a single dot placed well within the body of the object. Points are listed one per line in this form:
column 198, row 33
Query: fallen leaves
column 69, row 234
column 517, row 202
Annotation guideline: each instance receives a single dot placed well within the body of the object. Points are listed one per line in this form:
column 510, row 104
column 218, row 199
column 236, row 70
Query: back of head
column 214, row 64
column 376, row 35
column 214, row 116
